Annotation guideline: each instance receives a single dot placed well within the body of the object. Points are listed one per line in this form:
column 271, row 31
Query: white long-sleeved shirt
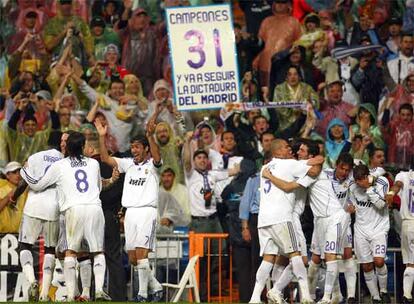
column 79, row 182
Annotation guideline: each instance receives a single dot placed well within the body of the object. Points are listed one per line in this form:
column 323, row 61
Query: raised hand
column 102, row 130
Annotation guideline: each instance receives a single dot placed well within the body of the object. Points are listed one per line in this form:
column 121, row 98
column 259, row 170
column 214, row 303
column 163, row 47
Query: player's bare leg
column 262, row 275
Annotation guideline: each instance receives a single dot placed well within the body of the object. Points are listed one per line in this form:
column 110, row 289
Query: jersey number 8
column 81, row 181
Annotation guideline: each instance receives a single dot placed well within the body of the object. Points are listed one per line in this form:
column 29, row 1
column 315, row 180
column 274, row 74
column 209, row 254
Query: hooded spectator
column 170, row 149
column 337, row 137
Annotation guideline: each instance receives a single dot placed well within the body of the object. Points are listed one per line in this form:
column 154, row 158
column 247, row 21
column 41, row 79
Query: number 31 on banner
column 199, row 48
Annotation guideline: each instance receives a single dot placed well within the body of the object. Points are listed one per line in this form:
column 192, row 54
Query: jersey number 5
column 81, row 181
column 268, row 185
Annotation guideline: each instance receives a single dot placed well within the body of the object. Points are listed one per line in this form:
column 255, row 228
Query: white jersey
column 322, row 197
column 195, row 186
column 406, row 194
column 141, row 185
column 276, row 206
column 79, row 182
column 341, row 188
column 220, row 185
column 44, row 204
column 371, row 209
column 301, row 197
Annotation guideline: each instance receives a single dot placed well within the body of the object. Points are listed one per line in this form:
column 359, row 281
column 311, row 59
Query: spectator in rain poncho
column 24, row 143
column 170, row 213
column 170, row 149
column 337, row 136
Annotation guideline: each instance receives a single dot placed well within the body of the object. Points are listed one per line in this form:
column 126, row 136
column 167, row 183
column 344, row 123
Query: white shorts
column 407, row 241
column 62, row 243
column 139, row 225
column 299, row 234
column 348, row 241
column 368, row 248
column 329, row 234
column 278, row 239
column 31, row 228
column 85, row 222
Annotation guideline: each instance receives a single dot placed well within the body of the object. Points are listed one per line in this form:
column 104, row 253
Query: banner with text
column 13, row 284
column 203, row 56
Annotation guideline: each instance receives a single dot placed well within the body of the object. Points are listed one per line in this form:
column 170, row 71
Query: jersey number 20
column 81, row 181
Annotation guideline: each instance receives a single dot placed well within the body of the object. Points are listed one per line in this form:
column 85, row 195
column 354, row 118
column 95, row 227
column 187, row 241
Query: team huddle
column 333, row 194
column 64, row 207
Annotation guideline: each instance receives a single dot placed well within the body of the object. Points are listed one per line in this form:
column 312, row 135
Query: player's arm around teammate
column 315, row 162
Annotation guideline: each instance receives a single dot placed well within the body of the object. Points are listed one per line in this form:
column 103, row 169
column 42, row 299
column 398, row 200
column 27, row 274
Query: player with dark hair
column 372, row 224
column 78, row 179
column 140, row 198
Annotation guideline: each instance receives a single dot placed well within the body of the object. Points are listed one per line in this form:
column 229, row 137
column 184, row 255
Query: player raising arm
column 140, row 198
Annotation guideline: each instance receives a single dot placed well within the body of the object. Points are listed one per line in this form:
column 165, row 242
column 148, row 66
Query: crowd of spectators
column 67, row 63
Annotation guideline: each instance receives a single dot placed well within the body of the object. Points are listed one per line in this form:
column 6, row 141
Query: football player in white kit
column 78, row 179
column 277, row 235
column 372, row 223
column 306, row 149
column 140, row 198
column 404, row 186
column 40, row 217
column 341, row 179
column 330, row 223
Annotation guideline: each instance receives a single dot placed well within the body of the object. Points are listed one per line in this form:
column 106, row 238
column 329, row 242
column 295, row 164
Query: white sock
column 77, row 292
column 372, row 284
column 313, row 273
column 262, row 275
column 58, row 273
column 153, row 283
column 48, row 268
column 85, row 272
column 99, row 267
column 277, row 272
column 70, row 276
column 26, row 260
column 143, row 276
column 382, row 274
column 299, row 270
column 330, row 278
column 337, row 294
column 285, row 278
column 350, row 276
column 408, row 282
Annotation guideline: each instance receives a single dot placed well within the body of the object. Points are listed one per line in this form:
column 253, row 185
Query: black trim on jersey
column 30, row 179
column 157, row 164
